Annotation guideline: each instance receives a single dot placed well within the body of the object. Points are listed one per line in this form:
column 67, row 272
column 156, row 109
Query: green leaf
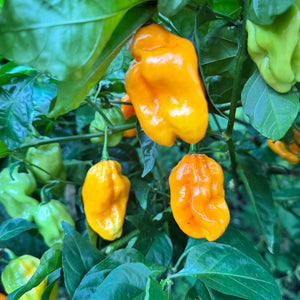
column 51, row 282
column 229, row 271
column 170, row 7
column 229, row 7
column 71, row 93
column 259, row 191
column 4, row 150
column 13, row 227
column 49, row 262
column 271, row 113
column 154, row 291
column 78, row 257
column 61, row 38
column 264, row 12
column 292, row 194
column 22, row 99
column 149, row 150
column 141, row 189
column 126, row 282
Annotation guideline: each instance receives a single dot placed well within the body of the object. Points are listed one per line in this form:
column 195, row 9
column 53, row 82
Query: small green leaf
column 76, row 262
column 13, row 227
column 271, row 113
column 170, row 7
column 149, row 150
column 51, row 282
column 229, row 271
column 4, row 150
column 154, row 291
column 264, row 12
column 141, row 189
column 259, row 191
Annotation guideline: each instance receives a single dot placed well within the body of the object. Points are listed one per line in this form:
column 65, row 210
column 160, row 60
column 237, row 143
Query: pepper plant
column 209, row 86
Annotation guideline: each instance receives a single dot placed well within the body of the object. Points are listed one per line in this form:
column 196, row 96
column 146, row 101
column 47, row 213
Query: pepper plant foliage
column 59, row 61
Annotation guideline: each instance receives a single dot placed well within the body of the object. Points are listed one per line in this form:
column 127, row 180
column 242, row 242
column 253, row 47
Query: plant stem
column 193, row 148
column 105, row 155
column 113, row 129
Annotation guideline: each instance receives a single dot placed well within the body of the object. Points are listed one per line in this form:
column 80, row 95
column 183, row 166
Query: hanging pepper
column 165, row 88
column 49, row 158
column 18, row 272
column 15, row 191
column 48, row 218
column 105, row 194
column 3, row 297
column 115, row 116
column 290, row 152
column 128, row 111
column 275, row 49
column 197, row 197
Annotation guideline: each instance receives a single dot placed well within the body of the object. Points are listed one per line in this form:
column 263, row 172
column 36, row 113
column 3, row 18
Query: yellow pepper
column 105, row 194
column 165, row 88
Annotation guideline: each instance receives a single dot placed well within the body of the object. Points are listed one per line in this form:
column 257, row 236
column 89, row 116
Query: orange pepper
column 198, row 198
column 128, row 111
column 165, row 88
column 290, row 152
column 3, row 297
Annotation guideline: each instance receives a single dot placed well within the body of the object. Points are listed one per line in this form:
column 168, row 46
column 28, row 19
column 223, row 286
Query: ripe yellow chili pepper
column 165, row 88
column 290, row 152
column 128, row 111
column 198, row 198
column 105, row 194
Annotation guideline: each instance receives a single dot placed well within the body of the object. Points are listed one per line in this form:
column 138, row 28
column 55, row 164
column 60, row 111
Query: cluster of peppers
column 16, row 190
column 168, row 98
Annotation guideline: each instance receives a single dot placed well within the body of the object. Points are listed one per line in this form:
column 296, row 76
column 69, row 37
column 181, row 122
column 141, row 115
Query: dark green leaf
column 154, row 291
column 259, row 191
column 228, row 7
column 52, row 284
column 229, row 271
column 13, row 227
column 171, row 7
column 149, row 150
column 78, row 257
column 49, row 262
column 271, row 113
column 292, row 194
column 126, row 282
column 264, row 12
column 141, row 189
column 60, row 38
column 3, row 150
column 71, row 93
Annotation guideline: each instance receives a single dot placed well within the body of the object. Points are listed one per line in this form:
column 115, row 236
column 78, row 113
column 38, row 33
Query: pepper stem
column 105, row 155
column 10, row 255
column 193, row 148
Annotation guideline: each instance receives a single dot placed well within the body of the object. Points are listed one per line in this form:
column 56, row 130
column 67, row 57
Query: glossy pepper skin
column 165, row 88
column 15, row 191
column 105, row 194
column 49, row 158
column 290, row 152
column 197, row 197
column 18, row 272
column 275, row 49
column 115, row 116
column 48, row 218
column 3, row 297
column 128, row 111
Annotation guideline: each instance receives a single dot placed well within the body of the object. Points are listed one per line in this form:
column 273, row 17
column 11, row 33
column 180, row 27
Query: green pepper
column 18, row 272
column 275, row 49
column 116, row 117
column 48, row 218
column 15, row 191
column 49, row 158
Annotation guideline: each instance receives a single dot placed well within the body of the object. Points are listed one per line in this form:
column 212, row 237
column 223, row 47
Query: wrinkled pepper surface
column 128, row 111
column 275, row 49
column 198, row 198
column 115, row 116
column 48, row 218
column 165, row 88
column 290, row 152
column 15, row 191
column 105, row 194
column 49, row 158
column 18, row 272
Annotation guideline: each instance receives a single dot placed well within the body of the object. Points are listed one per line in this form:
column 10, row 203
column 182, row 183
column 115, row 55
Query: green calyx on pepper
column 115, row 117
column 18, row 272
column 48, row 218
column 275, row 49
column 49, row 158
column 15, row 193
